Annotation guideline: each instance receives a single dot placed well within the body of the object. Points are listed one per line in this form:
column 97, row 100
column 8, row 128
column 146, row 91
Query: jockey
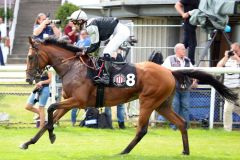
column 101, row 29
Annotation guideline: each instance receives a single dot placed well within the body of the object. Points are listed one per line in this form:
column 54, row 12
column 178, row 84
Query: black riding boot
column 105, row 79
column 121, row 125
column 237, row 7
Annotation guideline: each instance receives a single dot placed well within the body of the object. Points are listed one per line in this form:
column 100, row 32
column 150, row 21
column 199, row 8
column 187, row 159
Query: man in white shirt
column 231, row 59
column 181, row 99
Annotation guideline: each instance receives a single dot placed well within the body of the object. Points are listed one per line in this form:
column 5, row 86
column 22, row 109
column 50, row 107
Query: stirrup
column 102, row 80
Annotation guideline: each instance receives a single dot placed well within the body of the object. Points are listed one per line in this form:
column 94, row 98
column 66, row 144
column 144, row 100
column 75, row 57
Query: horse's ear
column 30, row 41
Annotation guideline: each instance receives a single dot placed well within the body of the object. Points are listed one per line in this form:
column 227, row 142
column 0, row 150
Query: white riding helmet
column 79, row 15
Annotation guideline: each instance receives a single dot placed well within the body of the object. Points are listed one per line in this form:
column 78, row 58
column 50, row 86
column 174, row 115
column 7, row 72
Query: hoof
column 122, row 153
column 23, row 146
column 185, row 153
column 52, row 138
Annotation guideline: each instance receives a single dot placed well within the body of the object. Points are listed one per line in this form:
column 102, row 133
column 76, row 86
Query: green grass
column 16, row 88
column 93, row 144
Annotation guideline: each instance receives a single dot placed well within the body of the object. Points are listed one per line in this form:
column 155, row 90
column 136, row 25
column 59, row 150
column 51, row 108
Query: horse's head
column 54, row 52
column 35, row 63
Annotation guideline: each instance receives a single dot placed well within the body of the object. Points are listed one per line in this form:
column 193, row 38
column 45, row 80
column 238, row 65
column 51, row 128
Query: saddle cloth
column 123, row 75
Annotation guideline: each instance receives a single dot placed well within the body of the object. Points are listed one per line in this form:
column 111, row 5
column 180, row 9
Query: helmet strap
column 79, row 14
column 81, row 24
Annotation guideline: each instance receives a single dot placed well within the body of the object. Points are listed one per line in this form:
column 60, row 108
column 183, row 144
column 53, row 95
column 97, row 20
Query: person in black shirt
column 190, row 40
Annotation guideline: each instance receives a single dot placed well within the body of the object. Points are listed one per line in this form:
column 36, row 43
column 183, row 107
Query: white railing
column 13, row 70
column 14, row 24
column 215, row 70
column 12, row 73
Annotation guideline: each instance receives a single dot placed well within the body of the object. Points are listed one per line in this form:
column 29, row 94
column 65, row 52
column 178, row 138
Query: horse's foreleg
column 141, row 130
column 34, row 139
column 57, row 115
column 169, row 114
column 67, row 104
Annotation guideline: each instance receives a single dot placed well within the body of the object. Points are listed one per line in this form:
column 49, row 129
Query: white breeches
column 121, row 33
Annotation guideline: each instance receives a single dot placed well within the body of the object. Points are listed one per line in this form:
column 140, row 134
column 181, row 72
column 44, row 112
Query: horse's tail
column 181, row 75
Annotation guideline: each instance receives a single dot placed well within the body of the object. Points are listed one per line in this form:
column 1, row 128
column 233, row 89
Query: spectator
column 71, row 31
column 120, row 115
column 43, row 28
column 74, row 114
column 84, row 41
column 231, row 59
column 3, row 35
column 40, row 94
column 182, row 95
column 190, row 40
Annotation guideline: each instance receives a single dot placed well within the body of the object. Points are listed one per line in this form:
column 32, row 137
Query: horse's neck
column 71, row 69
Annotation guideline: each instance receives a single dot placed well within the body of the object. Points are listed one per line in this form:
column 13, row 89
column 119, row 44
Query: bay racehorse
column 155, row 88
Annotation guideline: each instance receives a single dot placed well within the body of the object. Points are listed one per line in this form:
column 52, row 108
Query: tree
column 65, row 11
column 9, row 13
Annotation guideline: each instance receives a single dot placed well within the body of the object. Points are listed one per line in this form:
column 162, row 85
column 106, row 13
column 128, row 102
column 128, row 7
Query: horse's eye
column 30, row 57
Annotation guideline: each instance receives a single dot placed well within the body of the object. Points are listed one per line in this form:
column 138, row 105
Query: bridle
column 35, row 72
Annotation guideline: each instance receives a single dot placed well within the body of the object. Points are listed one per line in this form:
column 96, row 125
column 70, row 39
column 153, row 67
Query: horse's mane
column 62, row 44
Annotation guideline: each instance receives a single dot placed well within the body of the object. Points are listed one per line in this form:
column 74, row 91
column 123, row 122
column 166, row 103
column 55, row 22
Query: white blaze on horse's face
column 30, row 51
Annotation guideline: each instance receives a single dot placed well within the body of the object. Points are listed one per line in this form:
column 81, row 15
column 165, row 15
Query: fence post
column 212, row 105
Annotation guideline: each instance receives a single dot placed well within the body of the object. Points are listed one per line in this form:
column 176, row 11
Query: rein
column 83, row 62
column 81, row 59
column 63, row 61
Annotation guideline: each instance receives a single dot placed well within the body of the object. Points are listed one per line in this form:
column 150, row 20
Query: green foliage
column 9, row 13
column 65, row 11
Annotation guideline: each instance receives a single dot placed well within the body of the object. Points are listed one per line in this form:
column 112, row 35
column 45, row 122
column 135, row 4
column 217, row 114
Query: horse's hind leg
column 170, row 115
column 57, row 115
column 143, row 120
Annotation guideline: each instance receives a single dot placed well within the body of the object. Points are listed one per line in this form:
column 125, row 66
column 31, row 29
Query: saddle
column 122, row 74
